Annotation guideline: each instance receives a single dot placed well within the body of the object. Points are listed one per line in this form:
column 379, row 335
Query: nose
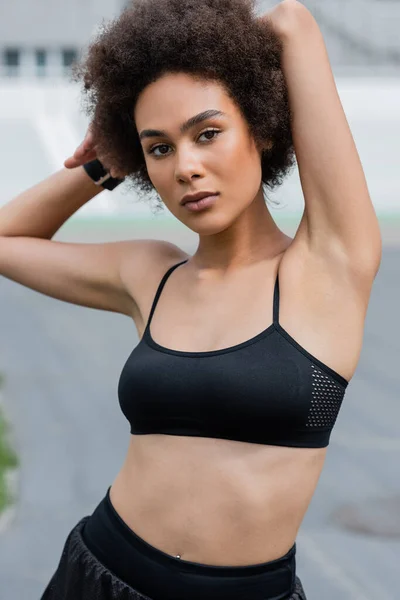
column 188, row 165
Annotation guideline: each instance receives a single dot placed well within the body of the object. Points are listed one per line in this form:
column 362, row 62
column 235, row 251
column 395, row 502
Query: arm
column 42, row 209
column 103, row 276
column 339, row 217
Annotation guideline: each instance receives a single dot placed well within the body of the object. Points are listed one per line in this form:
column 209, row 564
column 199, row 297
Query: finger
column 74, row 161
column 86, row 145
column 70, row 163
column 82, row 149
column 88, row 142
column 91, row 155
column 89, row 136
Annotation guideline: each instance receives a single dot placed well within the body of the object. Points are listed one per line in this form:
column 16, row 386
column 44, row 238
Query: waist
column 164, row 577
column 213, row 501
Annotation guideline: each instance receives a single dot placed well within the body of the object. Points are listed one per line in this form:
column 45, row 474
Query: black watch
column 100, row 175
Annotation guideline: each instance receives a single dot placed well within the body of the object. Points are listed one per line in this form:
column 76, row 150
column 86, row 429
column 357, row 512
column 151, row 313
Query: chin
column 210, row 223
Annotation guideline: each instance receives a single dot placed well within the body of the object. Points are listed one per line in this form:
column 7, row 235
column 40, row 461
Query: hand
column 282, row 17
column 84, row 153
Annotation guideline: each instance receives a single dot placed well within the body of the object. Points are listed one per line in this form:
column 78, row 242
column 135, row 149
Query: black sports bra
column 266, row 390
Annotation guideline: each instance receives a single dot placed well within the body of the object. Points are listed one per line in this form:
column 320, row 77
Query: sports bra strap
column 171, row 269
column 160, row 289
column 276, row 301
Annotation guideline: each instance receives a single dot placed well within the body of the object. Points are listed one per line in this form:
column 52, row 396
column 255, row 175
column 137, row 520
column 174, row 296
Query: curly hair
column 215, row 40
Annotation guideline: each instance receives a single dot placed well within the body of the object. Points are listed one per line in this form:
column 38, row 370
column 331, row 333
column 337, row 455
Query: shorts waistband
column 285, row 562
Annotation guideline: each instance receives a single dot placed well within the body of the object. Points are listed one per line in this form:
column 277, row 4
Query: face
column 216, row 153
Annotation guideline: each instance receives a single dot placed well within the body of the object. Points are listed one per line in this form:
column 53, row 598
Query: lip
column 202, row 204
column 197, row 196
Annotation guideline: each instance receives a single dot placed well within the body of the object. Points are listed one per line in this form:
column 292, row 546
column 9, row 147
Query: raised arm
column 339, row 218
column 106, row 276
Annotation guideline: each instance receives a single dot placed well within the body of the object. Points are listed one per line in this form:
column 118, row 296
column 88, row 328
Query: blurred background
column 60, row 363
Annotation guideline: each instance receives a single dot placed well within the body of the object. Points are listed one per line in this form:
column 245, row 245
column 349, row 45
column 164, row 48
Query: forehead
column 176, row 97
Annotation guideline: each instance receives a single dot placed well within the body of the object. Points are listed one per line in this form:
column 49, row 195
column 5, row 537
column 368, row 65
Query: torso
column 224, row 502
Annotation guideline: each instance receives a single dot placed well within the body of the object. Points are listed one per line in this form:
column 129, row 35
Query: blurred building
column 42, row 121
column 41, row 38
column 362, row 36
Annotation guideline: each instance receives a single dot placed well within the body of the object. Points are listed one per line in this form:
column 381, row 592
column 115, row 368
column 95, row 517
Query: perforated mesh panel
column 327, row 397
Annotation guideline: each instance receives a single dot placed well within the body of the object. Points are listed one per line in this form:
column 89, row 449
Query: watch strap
column 100, row 175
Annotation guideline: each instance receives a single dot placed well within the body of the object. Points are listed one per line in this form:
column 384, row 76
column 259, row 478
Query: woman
column 247, row 346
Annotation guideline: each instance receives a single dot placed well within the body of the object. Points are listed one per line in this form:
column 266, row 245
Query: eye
column 152, row 150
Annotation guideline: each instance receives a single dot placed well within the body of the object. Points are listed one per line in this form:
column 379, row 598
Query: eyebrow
column 207, row 114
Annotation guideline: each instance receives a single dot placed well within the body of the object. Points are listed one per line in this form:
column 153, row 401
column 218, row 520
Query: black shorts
column 103, row 559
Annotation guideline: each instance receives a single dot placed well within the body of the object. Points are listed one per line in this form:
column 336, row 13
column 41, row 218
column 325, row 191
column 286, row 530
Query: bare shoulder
column 143, row 267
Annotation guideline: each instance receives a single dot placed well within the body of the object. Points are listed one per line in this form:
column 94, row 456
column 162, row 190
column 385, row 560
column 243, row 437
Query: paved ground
column 62, row 364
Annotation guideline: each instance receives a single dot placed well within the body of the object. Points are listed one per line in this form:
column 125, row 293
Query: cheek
column 233, row 151
column 238, row 156
column 158, row 174
column 242, row 166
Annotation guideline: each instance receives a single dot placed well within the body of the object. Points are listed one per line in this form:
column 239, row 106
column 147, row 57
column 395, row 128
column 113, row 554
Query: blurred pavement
column 62, row 364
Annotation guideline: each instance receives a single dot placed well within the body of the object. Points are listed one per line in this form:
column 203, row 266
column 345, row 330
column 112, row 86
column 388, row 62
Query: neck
column 253, row 237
